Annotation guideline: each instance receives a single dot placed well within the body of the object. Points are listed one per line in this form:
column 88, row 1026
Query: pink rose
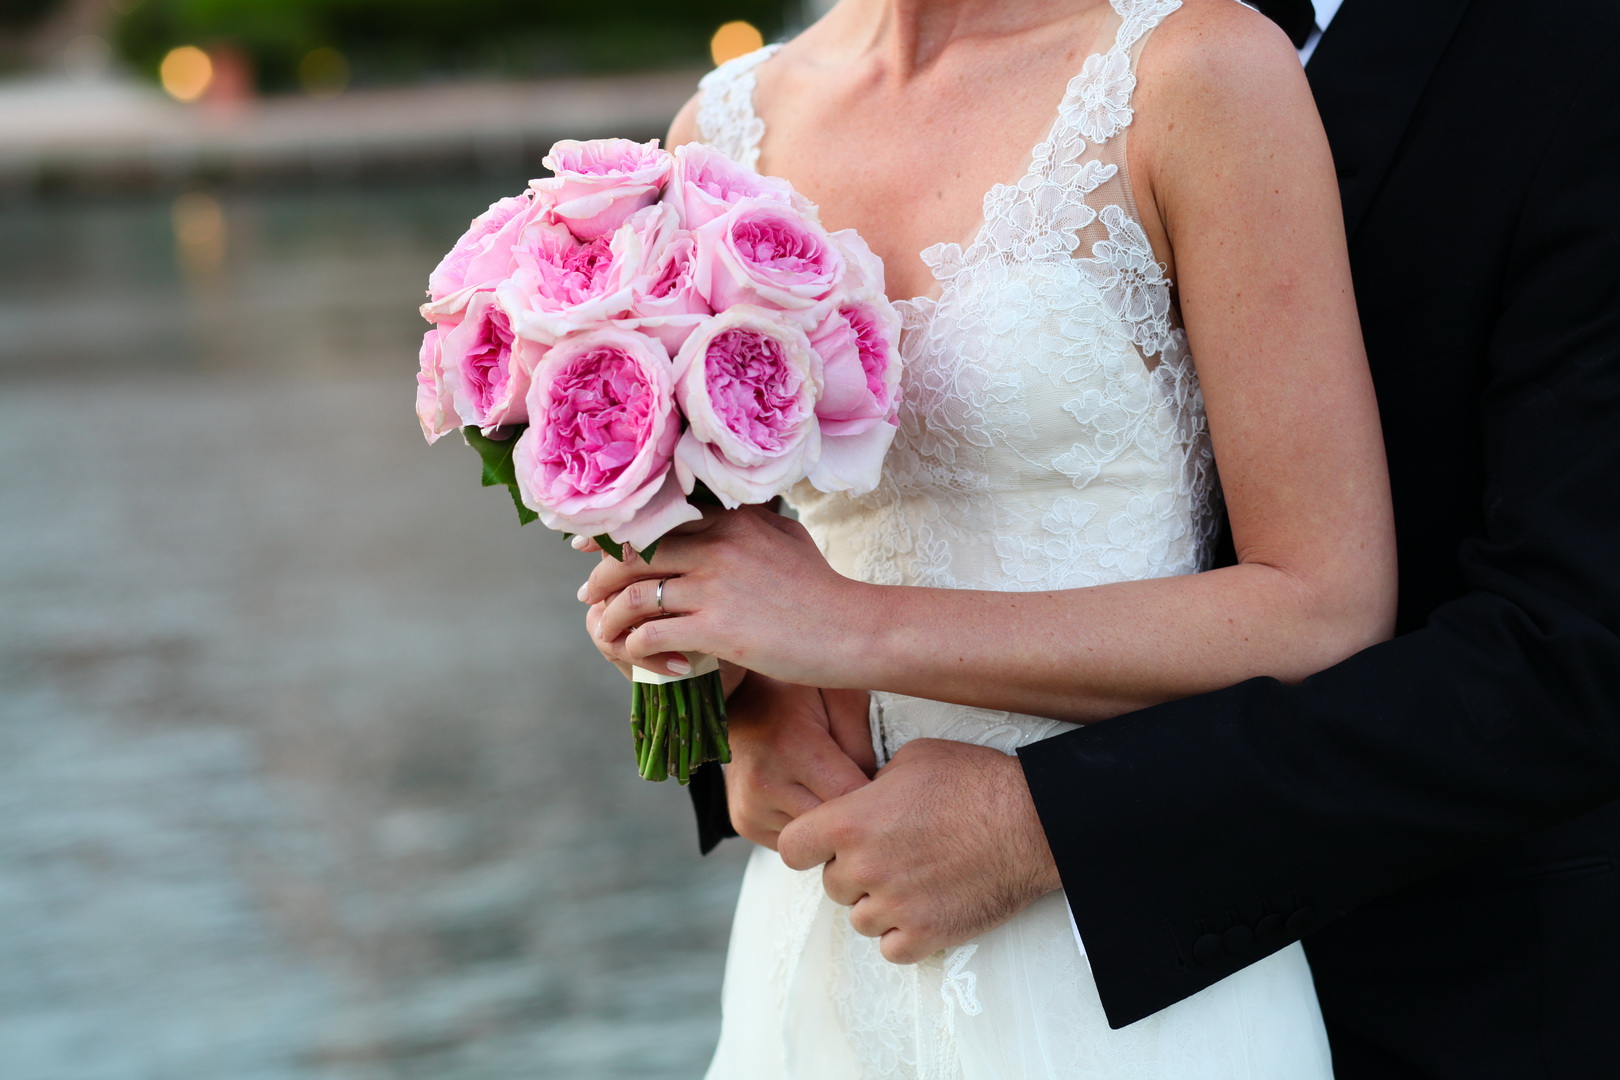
column 748, row 382
column 488, row 366
column 667, row 302
column 435, row 407
column 596, row 456
column 598, row 184
column 861, row 379
column 863, row 270
column 481, row 258
column 705, row 184
column 767, row 255
column 564, row 284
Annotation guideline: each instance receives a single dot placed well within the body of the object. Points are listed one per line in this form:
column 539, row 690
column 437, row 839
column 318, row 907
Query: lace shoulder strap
column 726, row 119
column 1137, row 17
column 1097, row 104
column 1077, row 169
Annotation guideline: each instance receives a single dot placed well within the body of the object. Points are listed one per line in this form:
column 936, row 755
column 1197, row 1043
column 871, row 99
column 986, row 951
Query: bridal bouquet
column 644, row 333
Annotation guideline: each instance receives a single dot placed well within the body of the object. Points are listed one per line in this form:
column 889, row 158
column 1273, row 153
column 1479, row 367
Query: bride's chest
column 907, row 169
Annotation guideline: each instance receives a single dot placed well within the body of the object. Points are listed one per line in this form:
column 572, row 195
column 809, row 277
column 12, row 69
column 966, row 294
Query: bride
column 1038, row 552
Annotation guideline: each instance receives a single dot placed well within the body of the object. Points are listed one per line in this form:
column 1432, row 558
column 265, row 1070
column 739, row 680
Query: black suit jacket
column 1478, row 146
column 1403, row 809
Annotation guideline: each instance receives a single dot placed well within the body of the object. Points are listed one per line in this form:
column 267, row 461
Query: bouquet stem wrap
column 678, row 722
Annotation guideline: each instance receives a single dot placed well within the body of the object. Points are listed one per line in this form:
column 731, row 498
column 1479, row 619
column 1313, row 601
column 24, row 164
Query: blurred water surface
column 307, row 771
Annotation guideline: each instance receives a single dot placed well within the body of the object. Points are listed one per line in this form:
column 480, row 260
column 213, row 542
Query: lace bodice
column 1052, row 434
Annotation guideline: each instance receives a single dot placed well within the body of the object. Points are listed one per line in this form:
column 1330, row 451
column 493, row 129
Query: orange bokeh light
column 186, row 73
column 734, row 39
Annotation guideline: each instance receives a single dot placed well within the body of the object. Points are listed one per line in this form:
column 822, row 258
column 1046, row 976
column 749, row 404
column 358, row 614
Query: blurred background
column 307, row 770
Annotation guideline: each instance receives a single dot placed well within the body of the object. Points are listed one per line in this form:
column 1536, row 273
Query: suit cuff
column 708, row 792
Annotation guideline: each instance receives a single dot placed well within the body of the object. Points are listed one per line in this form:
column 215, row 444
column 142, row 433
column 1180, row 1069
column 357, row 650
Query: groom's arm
column 1196, row 837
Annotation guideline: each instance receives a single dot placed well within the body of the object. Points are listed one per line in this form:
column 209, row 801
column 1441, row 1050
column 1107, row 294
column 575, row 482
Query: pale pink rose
column 706, row 183
column 667, row 302
column 767, row 255
column 435, row 405
column 487, row 366
column 863, row 270
column 564, row 284
column 858, row 410
column 748, row 383
column 482, row 258
column 598, row 184
column 596, row 456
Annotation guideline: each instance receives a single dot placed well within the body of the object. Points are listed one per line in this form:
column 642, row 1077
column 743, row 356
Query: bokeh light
column 186, row 73
column 735, row 39
column 86, row 57
column 323, row 73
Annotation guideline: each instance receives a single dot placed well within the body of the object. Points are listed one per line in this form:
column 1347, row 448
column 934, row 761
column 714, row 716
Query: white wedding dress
column 1052, row 436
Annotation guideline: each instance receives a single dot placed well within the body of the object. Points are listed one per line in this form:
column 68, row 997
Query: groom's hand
column 943, row 845
column 792, row 749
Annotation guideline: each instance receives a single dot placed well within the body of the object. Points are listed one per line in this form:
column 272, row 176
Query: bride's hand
column 792, row 749
column 748, row 586
column 731, row 675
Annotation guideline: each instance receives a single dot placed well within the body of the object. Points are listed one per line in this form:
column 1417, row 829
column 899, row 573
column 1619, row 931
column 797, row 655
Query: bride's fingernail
column 579, row 542
column 584, row 590
column 679, row 667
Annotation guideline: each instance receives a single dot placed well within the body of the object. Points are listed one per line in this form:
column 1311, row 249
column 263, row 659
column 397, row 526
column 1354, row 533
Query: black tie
column 1296, row 17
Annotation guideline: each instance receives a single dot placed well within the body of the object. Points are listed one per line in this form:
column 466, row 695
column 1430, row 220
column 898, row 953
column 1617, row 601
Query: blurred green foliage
column 407, row 40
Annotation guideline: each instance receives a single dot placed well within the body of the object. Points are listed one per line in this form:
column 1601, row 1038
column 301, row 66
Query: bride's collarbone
column 906, row 175
column 908, row 162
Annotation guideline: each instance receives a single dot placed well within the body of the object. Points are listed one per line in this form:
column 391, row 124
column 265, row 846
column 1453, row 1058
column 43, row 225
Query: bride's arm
column 1233, row 165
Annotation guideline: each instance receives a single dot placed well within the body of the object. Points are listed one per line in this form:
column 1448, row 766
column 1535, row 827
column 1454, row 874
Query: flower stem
column 678, row 726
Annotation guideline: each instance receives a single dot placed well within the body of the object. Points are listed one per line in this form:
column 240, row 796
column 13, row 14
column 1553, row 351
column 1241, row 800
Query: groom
column 1436, row 816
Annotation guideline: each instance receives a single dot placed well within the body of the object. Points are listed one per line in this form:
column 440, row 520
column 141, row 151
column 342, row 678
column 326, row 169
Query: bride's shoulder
column 1212, row 45
column 1216, row 71
column 684, row 128
column 688, row 125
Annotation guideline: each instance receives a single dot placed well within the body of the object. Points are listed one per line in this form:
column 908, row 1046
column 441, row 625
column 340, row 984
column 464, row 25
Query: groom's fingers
column 844, row 886
column 826, row 771
column 783, row 761
column 869, row 917
column 903, row 945
column 808, row 840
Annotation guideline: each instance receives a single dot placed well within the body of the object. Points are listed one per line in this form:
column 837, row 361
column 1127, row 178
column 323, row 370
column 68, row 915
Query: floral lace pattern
column 1052, row 436
column 1052, row 432
column 726, row 118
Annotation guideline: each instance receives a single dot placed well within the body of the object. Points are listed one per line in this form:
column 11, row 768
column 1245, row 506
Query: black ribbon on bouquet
column 1296, row 17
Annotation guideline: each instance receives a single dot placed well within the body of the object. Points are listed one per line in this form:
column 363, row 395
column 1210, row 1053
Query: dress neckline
column 936, row 255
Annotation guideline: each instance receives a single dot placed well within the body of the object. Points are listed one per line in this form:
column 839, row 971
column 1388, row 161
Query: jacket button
column 1238, row 940
column 1268, row 928
column 1207, row 949
column 1301, row 921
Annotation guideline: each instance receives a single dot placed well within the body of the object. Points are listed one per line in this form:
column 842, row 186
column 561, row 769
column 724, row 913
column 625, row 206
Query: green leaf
column 497, row 455
column 525, row 515
column 498, row 468
column 610, row 545
column 646, row 556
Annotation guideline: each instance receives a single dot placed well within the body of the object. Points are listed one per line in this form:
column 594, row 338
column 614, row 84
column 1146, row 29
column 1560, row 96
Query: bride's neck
column 911, row 34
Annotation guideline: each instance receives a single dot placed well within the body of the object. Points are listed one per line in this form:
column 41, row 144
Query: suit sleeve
column 708, row 791
column 1196, row 837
